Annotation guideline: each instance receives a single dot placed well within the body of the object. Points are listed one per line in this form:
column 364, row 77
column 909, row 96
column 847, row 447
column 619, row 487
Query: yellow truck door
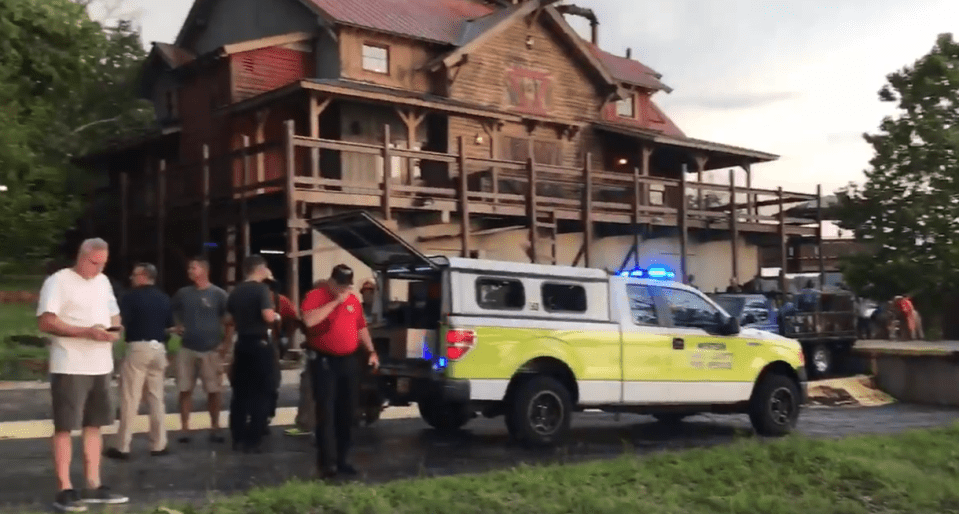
column 648, row 355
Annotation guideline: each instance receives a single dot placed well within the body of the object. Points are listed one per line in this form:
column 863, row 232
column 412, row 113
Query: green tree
column 908, row 207
column 67, row 85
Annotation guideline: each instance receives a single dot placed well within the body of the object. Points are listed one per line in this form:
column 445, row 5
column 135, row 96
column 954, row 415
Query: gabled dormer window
column 626, row 108
column 376, row 58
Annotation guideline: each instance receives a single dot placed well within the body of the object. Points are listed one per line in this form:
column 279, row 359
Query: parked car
column 752, row 310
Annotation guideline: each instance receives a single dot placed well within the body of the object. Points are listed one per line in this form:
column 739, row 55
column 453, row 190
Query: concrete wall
column 710, row 262
column 923, row 379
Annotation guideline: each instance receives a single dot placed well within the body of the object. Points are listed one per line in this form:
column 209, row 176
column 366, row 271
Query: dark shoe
column 266, row 430
column 68, row 500
column 346, row 469
column 160, row 453
column 113, row 453
column 103, row 495
column 216, row 438
column 184, row 439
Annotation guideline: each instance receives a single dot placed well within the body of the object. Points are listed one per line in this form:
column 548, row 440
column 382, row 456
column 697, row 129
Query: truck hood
column 763, row 335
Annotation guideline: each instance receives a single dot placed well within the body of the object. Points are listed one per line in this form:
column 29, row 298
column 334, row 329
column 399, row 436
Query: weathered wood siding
column 570, row 93
column 405, row 58
column 265, row 69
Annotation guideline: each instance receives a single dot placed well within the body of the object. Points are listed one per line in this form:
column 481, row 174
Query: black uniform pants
column 335, row 391
column 253, row 378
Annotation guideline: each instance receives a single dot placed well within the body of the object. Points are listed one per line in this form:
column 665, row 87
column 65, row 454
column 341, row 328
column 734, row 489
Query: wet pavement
column 403, row 448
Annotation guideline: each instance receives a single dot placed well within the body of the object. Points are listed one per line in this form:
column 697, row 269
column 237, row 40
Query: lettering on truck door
column 649, row 361
column 712, row 368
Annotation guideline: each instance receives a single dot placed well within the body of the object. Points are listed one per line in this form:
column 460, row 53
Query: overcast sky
column 797, row 79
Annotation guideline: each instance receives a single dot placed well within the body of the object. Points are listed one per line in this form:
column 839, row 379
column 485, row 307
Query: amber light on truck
column 459, row 342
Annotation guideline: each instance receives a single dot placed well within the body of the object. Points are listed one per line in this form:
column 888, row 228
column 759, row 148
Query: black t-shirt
column 246, row 304
column 146, row 314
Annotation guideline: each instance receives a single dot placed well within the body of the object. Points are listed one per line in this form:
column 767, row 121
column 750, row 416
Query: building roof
column 629, row 70
column 440, row 21
column 174, row 56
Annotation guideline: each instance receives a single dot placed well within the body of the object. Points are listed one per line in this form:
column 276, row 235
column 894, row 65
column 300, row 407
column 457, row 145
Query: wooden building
column 475, row 128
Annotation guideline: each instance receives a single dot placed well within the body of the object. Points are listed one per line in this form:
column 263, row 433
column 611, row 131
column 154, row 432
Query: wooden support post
column 750, row 198
column 683, row 233
column 492, row 131
column 161, row 220
column 637, row 192
column 316, row 110
column 244, row 209
column 292, row 230
column 387, row 174
column 734, row 225
column 531, row 209
column 205, row 214
column 412, row 121
column 124, row 221
column 588, row 210
column 700, row 168
column 464, row 199
column 822, row 257
column 646, row 154
column 782, row 240
column 259, row 137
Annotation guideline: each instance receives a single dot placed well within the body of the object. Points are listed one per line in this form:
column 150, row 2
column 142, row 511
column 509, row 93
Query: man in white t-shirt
column 78, row 308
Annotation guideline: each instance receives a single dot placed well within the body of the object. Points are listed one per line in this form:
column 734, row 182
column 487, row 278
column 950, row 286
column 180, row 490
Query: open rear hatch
column 388, row 254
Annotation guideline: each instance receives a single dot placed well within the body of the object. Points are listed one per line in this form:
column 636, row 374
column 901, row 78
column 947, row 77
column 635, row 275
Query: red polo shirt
column 286, row 309
column 339, row 333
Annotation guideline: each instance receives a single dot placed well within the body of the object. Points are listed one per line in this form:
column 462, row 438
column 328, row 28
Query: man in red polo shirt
column 335, row 328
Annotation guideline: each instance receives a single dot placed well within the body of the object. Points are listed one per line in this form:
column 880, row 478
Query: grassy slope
column 916, row 472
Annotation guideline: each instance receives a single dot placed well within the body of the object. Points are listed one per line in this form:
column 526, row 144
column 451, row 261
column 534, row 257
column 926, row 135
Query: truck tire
column 820, row 360
column 445, row 417
column 774, row 407
column 540, row 411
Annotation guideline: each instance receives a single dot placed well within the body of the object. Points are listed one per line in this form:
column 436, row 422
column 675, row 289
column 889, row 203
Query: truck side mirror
column 749, row 319
column 729, row 326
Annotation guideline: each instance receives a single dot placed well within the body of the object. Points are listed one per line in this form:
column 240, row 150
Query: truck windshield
column 731, row 304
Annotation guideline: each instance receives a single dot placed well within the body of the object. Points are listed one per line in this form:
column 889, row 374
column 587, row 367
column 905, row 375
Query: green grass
column 13, row 282
column 18, row 319
column 915, row 472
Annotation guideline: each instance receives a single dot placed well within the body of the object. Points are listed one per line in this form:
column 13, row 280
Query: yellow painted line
column 43, row 428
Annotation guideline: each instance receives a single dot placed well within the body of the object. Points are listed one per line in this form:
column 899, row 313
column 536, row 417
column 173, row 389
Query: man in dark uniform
column 335, row 328
column 250, row 304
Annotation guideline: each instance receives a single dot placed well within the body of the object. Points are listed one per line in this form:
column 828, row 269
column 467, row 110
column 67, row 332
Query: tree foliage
column 67, row 85
column 908, row 207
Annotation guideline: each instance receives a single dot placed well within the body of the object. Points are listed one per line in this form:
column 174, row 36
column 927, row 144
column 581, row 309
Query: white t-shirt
column 82, row 303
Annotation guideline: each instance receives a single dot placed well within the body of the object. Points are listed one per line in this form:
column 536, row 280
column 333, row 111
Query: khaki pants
column 145, row 364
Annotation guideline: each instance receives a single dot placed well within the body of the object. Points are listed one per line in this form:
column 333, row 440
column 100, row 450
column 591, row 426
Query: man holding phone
column 335, row 328
column 78, row 308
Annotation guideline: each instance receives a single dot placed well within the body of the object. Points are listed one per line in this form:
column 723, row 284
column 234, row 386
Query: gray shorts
column 80, row 401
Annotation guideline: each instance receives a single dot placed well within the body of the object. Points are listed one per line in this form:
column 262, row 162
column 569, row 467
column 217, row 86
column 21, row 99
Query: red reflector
column 458, row 343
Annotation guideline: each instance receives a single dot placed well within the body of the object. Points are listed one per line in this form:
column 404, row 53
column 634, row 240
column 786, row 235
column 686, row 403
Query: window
column 642, row 305
column 500, row 294
column 376, row 59
column 564, row 298
column 689, row 310
column 626, row 108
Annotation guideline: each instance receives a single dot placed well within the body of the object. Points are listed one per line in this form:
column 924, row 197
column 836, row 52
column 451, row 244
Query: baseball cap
column 342, row 275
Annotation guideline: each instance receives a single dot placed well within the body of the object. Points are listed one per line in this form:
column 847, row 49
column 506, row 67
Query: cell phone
column 114, row 329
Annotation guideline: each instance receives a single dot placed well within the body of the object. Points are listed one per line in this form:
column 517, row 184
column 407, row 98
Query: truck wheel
column 445, row 416
column 820, row 360
column 774, row 407
column 540, row 412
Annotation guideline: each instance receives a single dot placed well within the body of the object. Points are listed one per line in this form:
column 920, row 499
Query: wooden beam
column 531, row 208
column 205, row 208
column 161, row 221
column 412, row 119
column 750, row 197
column 646, row 154
column 782, row 240
column 588, row 209
column 292, row 233
column 464, row 200
column 124, row 221
column 316, row 110
column 822, row 262
column 244, row 212
column 579, row 254
column 683, row 232
column 387, row 174
column 700, row 168
column 734, row 225
column 259, row 137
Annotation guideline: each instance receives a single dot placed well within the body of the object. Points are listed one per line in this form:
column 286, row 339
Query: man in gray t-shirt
column 200, row 313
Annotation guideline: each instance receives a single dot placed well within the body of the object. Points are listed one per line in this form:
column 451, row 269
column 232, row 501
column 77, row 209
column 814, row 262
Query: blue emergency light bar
column 656, row 272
